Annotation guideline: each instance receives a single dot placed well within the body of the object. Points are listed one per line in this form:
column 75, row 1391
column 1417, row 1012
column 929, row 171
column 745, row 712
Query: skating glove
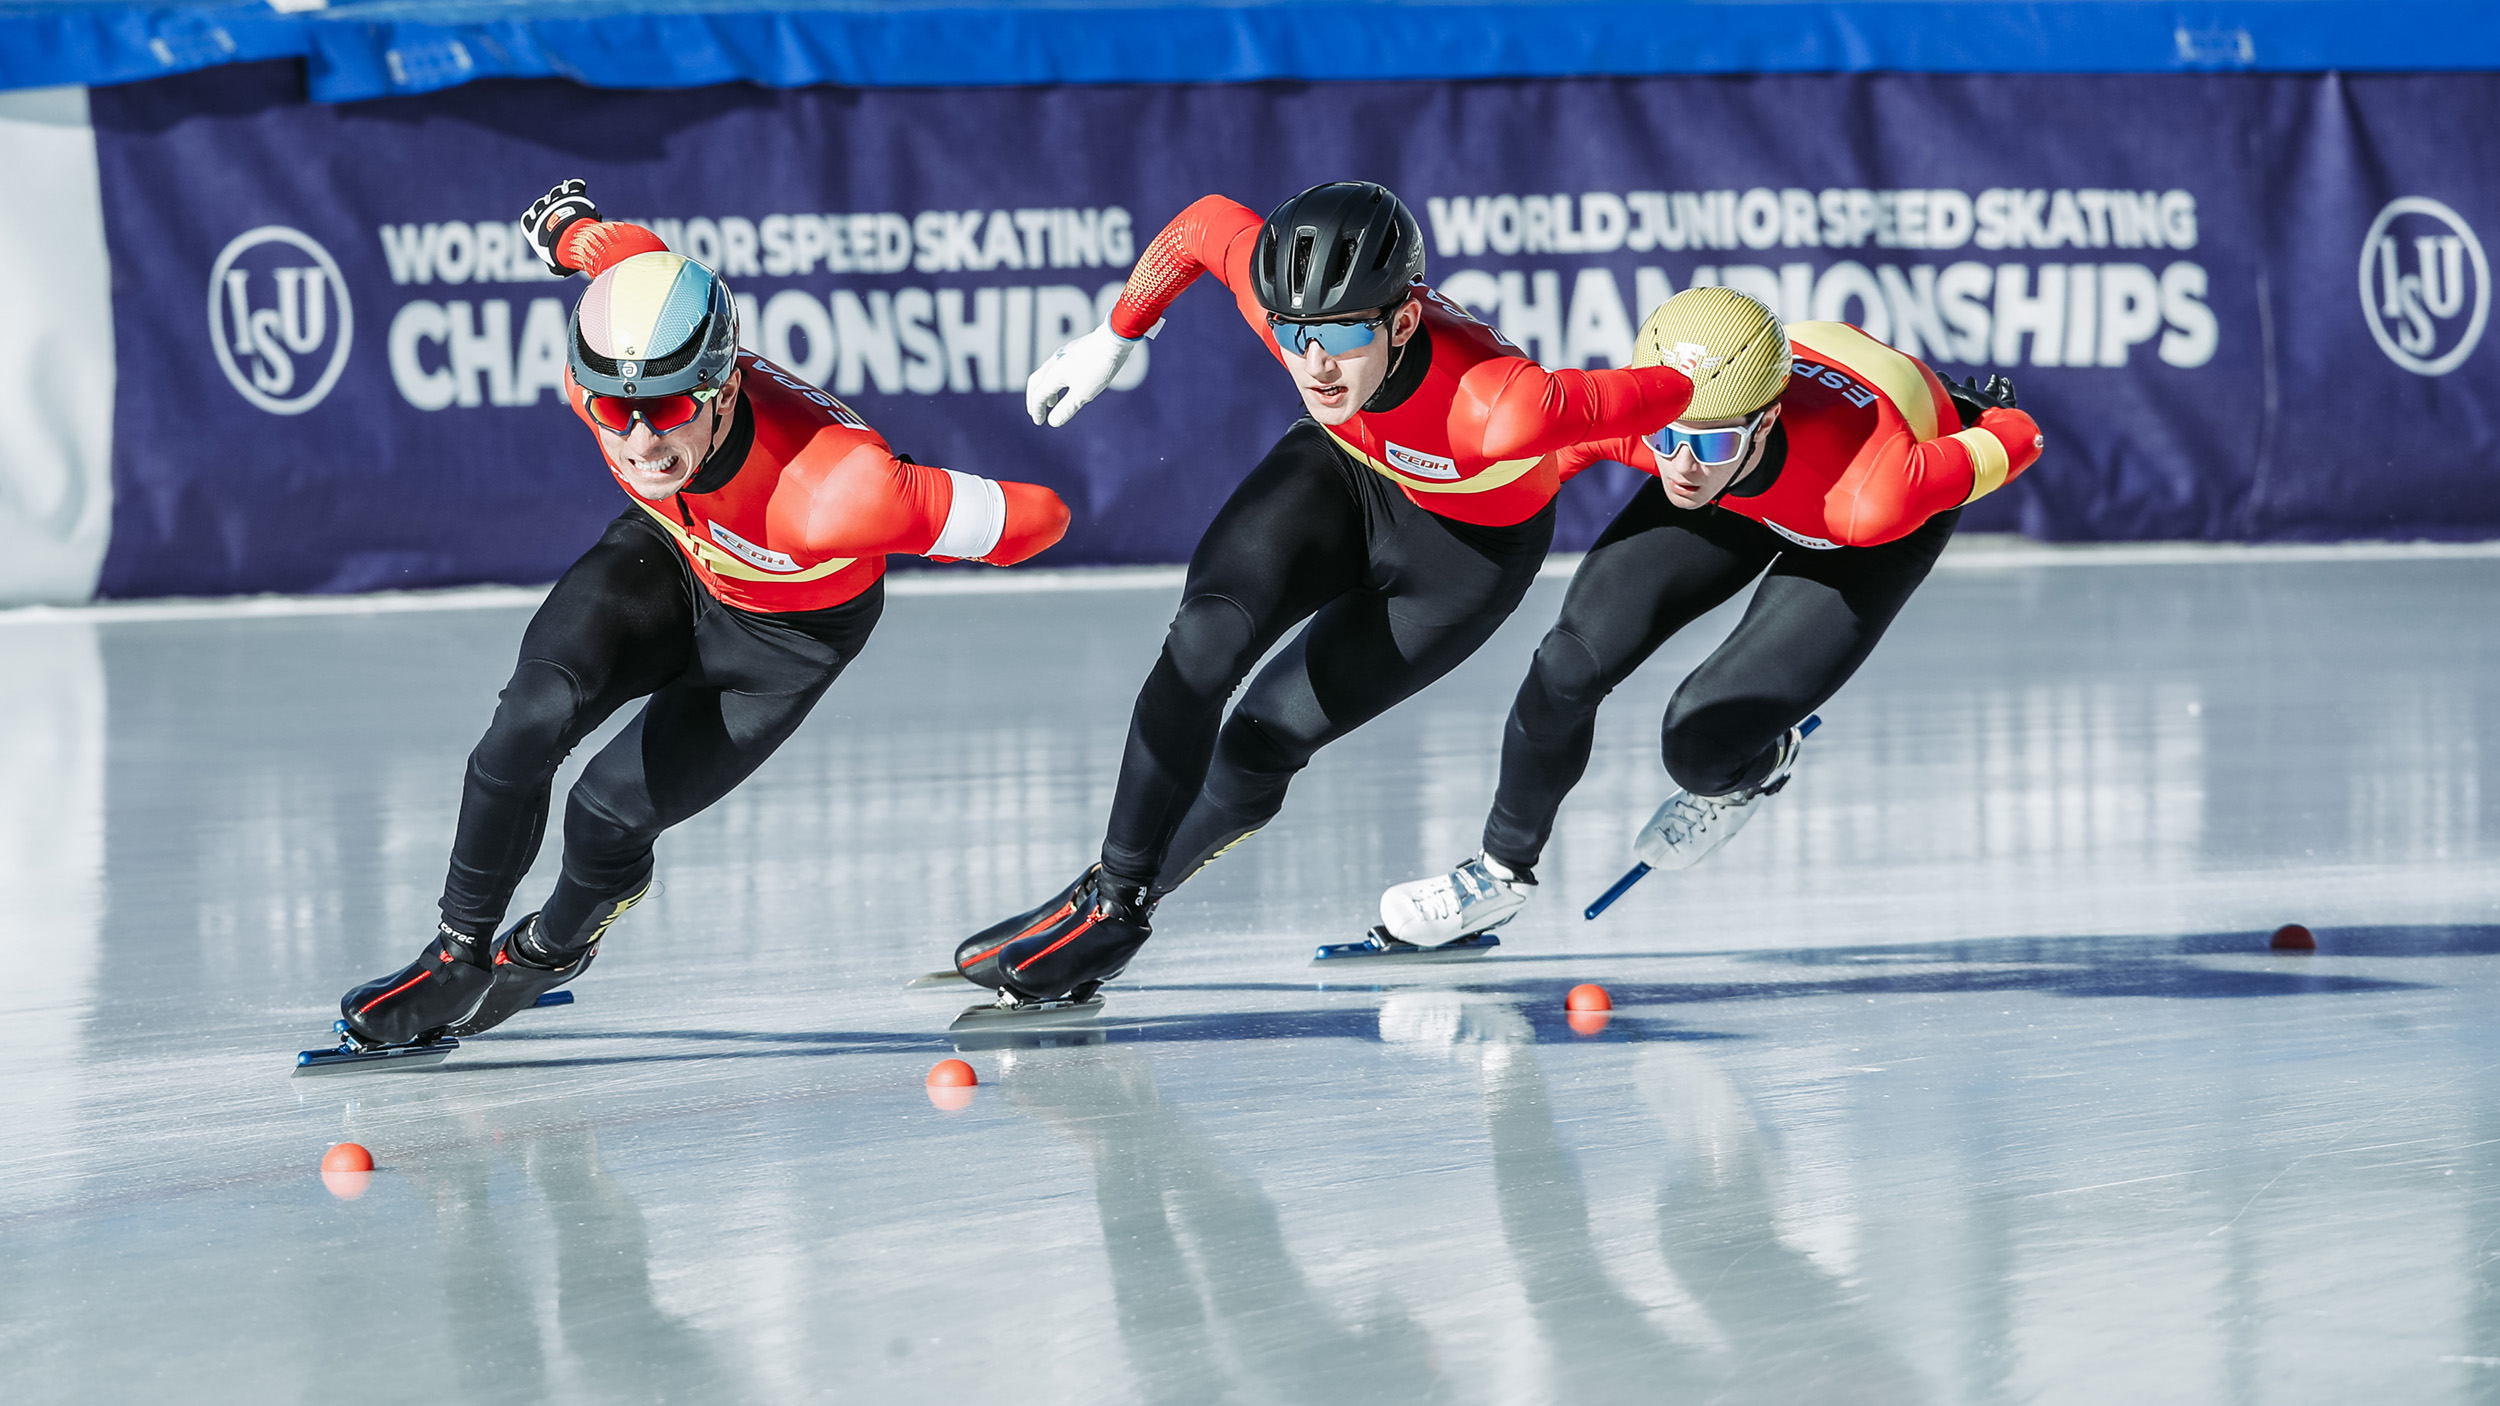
column 561, row 208
column 1074, row 375
column 1974, row 400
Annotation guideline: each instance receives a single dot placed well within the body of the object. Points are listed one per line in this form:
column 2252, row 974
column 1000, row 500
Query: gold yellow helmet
column 1732, row 347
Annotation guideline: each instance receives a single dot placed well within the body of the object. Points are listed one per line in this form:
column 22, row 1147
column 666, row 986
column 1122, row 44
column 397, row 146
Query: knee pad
column 1253, row 763
column 1704, row 758
column 601, row 840
column 1567, row 669
column 1209, row 644
column 533, row 727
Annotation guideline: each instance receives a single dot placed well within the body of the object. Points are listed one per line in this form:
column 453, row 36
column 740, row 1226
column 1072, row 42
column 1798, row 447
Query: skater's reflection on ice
column 1211, row 1304
column 612, row 1343
column 1752, row 1319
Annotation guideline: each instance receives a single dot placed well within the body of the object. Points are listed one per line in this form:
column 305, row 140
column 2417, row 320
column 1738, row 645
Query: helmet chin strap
column 1397, row 352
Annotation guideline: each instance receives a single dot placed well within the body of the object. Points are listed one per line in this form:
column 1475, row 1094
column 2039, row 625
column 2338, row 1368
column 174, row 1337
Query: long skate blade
column 1383, row 950
column 343, row 1059
column 552, row 998
column 1640, row 868
column 948, row 977
column 1036, row 1015
column 1622, row 886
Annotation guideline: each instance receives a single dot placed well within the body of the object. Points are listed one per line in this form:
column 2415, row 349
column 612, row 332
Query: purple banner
column 2242, row 307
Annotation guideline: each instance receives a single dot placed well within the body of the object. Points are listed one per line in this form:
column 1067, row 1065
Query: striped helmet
column 655, row 324
column 1732, row 347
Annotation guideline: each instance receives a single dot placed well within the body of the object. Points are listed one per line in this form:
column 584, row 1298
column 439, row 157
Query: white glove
column 1074, row 375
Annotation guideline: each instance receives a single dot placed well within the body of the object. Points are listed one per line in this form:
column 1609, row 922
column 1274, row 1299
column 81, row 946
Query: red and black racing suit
column 1405, row 536
column 1863, row 479
column 732, row 605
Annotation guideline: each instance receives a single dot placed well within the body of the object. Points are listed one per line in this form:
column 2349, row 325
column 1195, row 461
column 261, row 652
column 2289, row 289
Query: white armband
column 974, row 520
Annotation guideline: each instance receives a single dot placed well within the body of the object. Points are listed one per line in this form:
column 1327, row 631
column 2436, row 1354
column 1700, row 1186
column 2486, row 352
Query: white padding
column 975, row 519
column 56, row 364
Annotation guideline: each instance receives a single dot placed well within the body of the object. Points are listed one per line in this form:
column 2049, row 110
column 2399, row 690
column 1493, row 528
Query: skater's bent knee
column 600, row 842
column 1568, row 670
column 1253, row 756
column 534, row 724
column 1212, row 643
column 1710, row 751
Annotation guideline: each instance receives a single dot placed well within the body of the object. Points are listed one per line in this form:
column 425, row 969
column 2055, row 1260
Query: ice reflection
column 52, row 750
column 610, row 1342
column 1211, row 1303
column 1731, row 1307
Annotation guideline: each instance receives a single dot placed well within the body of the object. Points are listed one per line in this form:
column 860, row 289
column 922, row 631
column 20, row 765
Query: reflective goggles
column 1334, row 338
column 617, row 413
column 1713, row 447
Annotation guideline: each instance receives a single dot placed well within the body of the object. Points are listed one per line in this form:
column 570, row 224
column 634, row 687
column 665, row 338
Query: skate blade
column 926, row 980
column 341, row 1059
column 1034, row 1015
column 552, row 998
column 1383, row 950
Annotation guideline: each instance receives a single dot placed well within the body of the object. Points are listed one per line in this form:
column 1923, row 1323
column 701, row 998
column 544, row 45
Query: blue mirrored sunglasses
column 1717, row 446
column 1334, row 338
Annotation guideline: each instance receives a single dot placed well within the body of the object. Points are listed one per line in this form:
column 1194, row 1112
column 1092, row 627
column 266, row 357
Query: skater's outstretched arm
column 849, row 495
column 1214, row 235
column 1521, row 409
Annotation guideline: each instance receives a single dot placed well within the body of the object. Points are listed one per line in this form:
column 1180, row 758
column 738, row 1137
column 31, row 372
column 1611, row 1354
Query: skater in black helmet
column 1403, row 518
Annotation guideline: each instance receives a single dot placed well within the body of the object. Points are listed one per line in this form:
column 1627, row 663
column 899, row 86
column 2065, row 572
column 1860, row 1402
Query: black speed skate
column 414, row 1017
column 1064, row 950
column 404, row 1019
column 521, row 980
column 425, row 998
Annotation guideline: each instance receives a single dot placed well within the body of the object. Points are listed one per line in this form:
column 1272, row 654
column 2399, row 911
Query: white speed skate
column 1480, row 894
column 1689, row 829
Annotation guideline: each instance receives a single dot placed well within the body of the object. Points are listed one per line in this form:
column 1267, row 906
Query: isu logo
column 279, row 319
column 2425, row 287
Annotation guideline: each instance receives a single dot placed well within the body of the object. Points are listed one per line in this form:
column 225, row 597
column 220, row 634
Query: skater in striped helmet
column 744, row 574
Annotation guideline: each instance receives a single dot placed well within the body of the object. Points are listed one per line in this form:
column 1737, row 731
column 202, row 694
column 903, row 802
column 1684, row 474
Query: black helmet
column 1342, row 248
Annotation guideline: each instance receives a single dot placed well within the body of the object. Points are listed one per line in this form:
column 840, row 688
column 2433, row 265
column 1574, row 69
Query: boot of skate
column 1689, row 828
column 1479, row 894
column 1067, row 947
column 425, row 998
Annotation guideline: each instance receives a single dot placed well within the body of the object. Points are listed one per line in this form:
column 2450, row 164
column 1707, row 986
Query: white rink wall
column 56, row 361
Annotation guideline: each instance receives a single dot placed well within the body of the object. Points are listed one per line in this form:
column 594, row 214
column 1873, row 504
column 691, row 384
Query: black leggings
column 1656, row 569
column 1396, row 597
column 727, row 687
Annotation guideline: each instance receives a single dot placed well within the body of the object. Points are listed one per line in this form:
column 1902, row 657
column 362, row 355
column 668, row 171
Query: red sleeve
column 1200, row 239
column 866, row 502
column 1894, row 488
column 1520, row 408
column 1036, row 520
column 1628, row 449
column 595, row 246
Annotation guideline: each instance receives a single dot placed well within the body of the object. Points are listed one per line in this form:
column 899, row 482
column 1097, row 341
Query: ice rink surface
column 1962, row 1076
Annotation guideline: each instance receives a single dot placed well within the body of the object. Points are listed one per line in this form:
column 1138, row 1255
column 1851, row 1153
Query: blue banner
column 358, row 49
column 2242, row 307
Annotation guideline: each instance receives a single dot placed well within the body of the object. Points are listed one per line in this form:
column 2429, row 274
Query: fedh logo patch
column 764, row 557
column 1420, row 464
column 279, row 318
column 2425, row 286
